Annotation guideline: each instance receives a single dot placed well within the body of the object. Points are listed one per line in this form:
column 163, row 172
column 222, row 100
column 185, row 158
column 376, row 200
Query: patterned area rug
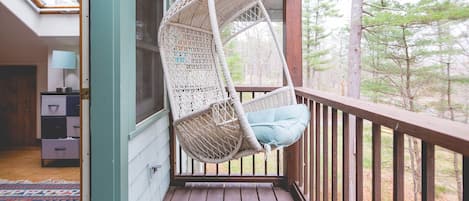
column 39, row 192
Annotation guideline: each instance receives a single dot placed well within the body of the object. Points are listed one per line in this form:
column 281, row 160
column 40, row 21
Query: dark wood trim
column 398, row 166
column 346, row 157
column 359, row 158
column 290, row 163
column 318, row 150
column 428, row 171
column 293, row 34
column 172, row 148
column 441, row 132
column 306, row 156
column 325, row 138
column 376, row 162
column 312, row 160
column 465, row 175
column 276, row 180
column 334, row 155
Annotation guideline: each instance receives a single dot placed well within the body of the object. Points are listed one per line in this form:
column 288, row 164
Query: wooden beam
column 293, row 48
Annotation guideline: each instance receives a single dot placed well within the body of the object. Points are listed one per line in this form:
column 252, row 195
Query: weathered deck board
column 227, row 192
column 249, row 192
column 265, row 192
column 232, row 192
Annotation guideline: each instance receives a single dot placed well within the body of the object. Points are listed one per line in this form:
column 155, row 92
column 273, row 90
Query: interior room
column 40, row 107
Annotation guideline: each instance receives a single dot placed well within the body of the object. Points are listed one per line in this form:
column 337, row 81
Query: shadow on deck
column 228, row 192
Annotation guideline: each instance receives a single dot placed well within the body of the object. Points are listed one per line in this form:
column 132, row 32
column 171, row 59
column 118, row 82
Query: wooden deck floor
column 227, row 192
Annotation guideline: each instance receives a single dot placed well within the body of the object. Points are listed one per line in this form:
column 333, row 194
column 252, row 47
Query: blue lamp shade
column 64, row 59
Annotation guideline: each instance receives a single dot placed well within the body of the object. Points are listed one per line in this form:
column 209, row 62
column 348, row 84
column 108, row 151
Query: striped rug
column 39, row 192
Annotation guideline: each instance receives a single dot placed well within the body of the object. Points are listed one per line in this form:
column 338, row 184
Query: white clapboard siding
column 150, row 147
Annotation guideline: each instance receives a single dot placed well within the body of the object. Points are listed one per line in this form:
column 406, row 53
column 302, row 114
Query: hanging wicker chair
column 210, row 123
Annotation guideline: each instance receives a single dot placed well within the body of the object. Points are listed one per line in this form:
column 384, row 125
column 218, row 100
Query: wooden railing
column 254, row 168
column 335, row 115
column 327, row 162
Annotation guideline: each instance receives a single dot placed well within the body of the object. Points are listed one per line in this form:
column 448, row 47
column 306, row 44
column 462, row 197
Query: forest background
column 414, row 55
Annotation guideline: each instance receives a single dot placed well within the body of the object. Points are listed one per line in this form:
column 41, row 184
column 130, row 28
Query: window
column 150, row 85
column 59, row 3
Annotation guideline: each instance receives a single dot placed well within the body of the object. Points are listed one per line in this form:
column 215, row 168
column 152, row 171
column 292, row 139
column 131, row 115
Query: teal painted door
column 112, row 96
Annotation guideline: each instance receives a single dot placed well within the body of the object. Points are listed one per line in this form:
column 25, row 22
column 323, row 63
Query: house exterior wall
column 149, row 148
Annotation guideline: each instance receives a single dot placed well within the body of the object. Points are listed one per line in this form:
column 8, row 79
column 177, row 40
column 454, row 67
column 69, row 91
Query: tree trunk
column 413, row 143
column 354, row 53
column 353, row 86
column 457, row 172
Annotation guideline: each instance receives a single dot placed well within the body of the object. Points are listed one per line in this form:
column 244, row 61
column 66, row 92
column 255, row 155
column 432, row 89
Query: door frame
column 112, row 95
column 85, row 166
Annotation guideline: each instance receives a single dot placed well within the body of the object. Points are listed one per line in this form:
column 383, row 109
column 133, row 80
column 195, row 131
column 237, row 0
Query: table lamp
column 64, row 60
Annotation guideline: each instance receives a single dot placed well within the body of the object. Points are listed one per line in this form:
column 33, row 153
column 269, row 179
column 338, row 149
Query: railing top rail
column 449, row 134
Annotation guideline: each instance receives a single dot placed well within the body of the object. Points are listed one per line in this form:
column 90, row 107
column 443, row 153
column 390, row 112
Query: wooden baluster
column 398, row 166
column 301, row 162
column 311, row 148
column 376, row 162
column 205, row 169
column 253, row 95
column 325, row 152
column 334, row 154
column 229, row 167
column 318, row 151
column 428, row 171
column 359, row 155
column 305, row 155
column 192, row 166
column 346, row 155
column 278, row 162
column 253, row 164
column 180, row 160
column 465, row 175
column 241, row 159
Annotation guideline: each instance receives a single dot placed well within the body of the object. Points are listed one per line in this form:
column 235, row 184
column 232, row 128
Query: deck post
column 293, row 55
column 465, row 174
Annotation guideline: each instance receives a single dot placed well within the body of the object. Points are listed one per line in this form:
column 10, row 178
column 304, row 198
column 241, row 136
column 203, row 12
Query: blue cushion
column 280, row 126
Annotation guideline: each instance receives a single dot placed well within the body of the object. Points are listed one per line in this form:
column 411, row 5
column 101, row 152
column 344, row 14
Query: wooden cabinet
column 60, row 126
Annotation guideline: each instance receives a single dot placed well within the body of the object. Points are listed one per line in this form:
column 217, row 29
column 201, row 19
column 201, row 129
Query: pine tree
column 400, row 46
column 315, row 14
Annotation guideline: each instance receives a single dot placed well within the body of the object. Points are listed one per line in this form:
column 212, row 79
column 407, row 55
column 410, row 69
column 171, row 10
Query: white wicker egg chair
column 209, row 122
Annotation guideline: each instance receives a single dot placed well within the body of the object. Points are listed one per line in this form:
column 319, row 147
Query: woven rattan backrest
column 191, row 70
